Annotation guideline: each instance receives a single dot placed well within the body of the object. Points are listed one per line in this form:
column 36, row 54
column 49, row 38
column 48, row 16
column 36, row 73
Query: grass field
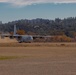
column 43, row 44
column 40, row 60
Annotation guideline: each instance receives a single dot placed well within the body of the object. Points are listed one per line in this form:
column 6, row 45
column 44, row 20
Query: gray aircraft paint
column 26, row 38
column 14, row 29
column 22, row 38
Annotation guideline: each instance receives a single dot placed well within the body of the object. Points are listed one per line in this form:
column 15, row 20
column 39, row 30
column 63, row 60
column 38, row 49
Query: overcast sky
column 11, row 10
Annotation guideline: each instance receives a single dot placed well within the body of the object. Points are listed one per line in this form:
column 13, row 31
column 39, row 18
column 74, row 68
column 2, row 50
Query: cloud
column 30, row 2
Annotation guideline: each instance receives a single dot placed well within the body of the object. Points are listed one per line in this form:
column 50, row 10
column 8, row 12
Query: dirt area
column 7, row 40
column 38, row 61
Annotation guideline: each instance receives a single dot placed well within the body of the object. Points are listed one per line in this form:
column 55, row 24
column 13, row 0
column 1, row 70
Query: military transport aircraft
column 20, row 38
column 23, row 38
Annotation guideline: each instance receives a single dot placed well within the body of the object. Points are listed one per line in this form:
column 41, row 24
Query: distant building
column 0, row 22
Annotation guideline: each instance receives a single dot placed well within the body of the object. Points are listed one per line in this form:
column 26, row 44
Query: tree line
column 39, row 26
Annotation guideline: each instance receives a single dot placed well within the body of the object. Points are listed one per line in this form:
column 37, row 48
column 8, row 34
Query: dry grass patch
column 10, row 57
column 64, row 44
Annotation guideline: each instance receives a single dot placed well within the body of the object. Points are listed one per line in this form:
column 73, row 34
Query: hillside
column 43, row 26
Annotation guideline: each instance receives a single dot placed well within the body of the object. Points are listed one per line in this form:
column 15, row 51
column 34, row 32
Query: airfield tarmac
column 38, row 60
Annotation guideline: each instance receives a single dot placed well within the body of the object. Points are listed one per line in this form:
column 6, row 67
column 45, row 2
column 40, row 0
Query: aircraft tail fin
column 14, row 30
